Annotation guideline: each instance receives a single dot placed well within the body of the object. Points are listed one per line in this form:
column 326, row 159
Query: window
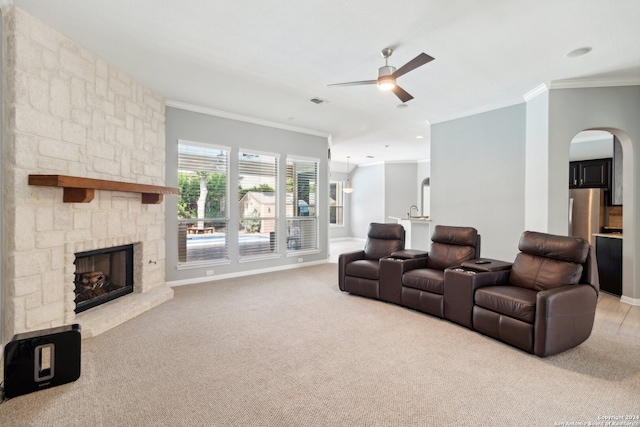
column 257, row 204
column 336, row 208
column 302, row 199
column 202, row 202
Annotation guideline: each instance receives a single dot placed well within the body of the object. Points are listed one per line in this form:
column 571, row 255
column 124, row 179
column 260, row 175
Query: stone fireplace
column 67, row 112
column 102, row 276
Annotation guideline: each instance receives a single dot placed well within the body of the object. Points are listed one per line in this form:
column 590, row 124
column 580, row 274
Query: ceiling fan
column 388, row 74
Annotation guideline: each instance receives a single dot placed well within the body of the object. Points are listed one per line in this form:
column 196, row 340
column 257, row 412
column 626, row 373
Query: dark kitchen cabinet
column 590, row 174
column 609, row 257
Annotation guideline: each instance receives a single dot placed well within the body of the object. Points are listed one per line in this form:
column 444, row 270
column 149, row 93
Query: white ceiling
column 267, row 59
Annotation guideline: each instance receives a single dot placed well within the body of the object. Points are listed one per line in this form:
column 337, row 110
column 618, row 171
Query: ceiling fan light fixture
column 386, row 81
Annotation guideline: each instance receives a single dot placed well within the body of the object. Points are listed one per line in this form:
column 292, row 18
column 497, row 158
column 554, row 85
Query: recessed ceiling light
column 578, row 52
column 419, row 137
column 401, row 106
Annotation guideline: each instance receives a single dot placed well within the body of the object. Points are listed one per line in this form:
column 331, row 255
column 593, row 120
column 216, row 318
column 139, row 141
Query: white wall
column 478, row 179
column 537, row 164
column 591, row 149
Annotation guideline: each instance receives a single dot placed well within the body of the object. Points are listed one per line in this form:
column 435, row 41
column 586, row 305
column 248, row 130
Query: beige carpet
column 290, row 349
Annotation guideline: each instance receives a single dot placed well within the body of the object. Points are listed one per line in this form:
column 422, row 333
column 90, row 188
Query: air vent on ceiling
column 318, row 101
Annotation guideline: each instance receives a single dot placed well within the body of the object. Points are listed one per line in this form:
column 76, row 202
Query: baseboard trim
column 242, row 274
column 630, row 301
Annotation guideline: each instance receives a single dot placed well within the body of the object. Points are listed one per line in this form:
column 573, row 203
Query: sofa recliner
column 546, row 303
column 359, row 271
column 422, row 279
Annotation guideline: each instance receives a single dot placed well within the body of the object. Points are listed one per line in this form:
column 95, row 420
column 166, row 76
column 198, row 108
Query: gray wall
column 477, row 177
column 204, row 128
column 615, row 109
column 401, row 189
column 381, row 190
column 367, row 202
column 1, row 174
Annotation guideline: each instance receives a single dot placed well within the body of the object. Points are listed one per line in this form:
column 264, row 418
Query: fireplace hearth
column 102, row 275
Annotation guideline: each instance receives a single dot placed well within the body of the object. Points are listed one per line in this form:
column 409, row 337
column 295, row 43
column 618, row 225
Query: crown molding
column 587, row 83
column 535, row 92
column 241, row 118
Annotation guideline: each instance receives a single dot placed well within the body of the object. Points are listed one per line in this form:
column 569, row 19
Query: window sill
column 305, row 252
column 201, row 264
column 258, row 258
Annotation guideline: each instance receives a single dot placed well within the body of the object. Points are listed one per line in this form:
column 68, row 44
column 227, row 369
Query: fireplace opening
column 102, row 275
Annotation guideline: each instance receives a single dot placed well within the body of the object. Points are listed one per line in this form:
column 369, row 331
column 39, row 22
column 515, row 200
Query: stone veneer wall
column 68, row 112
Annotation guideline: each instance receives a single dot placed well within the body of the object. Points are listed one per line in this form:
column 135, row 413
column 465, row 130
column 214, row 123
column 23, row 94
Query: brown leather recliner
column 422, row 279
column 359, row 271
column 546, row 303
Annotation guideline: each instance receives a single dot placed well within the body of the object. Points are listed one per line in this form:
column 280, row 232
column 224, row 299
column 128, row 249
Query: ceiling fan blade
column 363, row 82
column 402, row 94
column 416, row 62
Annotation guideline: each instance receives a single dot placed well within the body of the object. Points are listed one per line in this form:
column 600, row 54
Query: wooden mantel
column 80, row 190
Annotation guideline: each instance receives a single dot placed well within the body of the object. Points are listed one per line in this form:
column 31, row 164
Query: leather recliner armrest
column 345, row 259
column 490, row 278
column 409, row 254
column 412, row 264
column 391, row 271
column 564, row 318
column 459, row 291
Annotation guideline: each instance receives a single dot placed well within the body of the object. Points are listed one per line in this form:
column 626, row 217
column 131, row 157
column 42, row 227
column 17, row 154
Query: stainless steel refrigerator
column 586, row 213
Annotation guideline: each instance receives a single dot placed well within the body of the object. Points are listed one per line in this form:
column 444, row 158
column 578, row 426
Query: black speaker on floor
column 41, row 359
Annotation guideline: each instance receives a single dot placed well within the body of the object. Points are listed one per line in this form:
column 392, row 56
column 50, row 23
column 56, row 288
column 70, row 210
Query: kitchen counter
column 412, row 219
column 609, row 235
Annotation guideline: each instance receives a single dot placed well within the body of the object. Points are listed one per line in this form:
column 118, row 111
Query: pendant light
column 347, row 187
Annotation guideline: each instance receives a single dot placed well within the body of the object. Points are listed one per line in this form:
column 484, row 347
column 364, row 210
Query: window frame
column 244, row 221
column 183, row 231
column 295, row 230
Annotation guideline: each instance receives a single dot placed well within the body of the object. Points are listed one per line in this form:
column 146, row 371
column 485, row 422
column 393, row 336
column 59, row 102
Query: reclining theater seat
column 548, row 301
column 359, row 272
column 423, row 287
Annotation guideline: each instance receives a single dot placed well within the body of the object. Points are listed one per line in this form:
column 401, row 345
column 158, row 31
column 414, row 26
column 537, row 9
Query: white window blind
column 202, row 202
column 257, row 204
column 301, row 206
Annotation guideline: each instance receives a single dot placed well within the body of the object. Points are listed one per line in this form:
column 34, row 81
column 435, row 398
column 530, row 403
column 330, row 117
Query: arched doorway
column 425, row 197
column 596, row 200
